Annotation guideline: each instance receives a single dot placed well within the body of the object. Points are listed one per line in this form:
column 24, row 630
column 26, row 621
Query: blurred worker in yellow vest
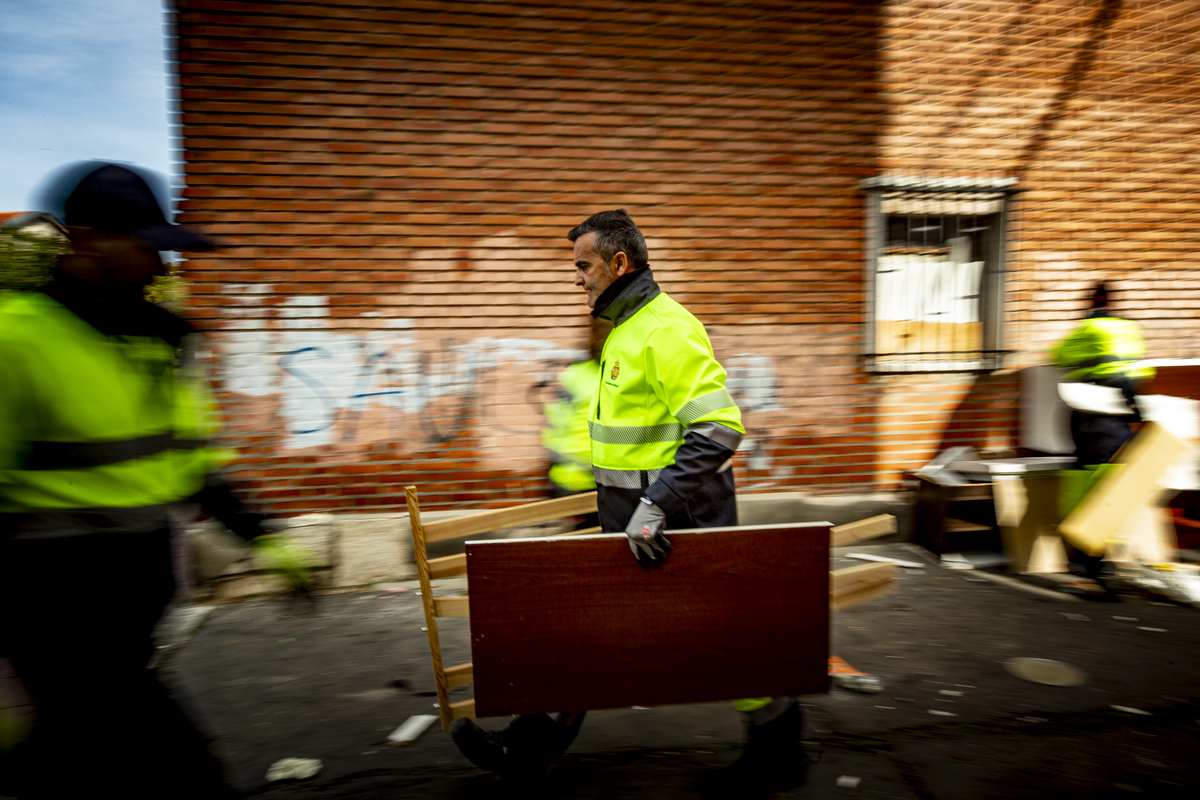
column 566, row 431
column 105, row 426
column 1104, row 349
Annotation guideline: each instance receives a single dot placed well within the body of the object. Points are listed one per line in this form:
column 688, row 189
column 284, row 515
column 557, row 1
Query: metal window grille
column 935, row 274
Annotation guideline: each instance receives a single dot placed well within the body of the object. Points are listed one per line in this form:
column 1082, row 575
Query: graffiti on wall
column 315, row 389
column 753, row 382
column 337, row 391
column 341, row 390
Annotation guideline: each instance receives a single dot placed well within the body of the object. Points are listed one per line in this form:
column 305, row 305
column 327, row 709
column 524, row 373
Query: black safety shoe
column 520, row 752
column 777, row 749
column 774, row 760
column 484, row 749
column 533, row 741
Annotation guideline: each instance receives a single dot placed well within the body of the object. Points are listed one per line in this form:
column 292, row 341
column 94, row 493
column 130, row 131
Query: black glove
column 219, row 499
column 645, row 532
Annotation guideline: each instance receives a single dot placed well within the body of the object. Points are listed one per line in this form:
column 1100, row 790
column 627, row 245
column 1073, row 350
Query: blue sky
column 79, row 79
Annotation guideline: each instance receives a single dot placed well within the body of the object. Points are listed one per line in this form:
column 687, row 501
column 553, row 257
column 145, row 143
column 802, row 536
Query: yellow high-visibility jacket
column 566, row 433
column 97, row 433
column 1103, row 347
column 662, row 423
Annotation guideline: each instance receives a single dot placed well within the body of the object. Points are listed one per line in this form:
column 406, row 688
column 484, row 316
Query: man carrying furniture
column 664, row 431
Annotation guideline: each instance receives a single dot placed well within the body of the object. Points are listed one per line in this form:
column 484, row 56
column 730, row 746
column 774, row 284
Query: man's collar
column 115, row 313
column 626, row 296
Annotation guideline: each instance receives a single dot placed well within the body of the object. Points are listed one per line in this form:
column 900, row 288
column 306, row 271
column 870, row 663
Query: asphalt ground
column 272, row 679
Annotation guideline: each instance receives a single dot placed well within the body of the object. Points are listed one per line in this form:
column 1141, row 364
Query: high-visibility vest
column 567, row 431
column 1103, row 347
column 659, row 379
column 96, row 432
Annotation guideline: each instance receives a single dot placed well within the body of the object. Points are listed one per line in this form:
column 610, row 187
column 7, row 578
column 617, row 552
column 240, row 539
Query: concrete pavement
column 275, row 679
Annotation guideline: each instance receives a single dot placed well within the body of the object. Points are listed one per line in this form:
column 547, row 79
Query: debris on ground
column 853, row 585
column 1131, row 710
column 973, row 560
column 870, row 528
column 294, row 769
column 920, row 551
column 1179, row 582
column 412, row 729
column 845, row 676
column 884, row 559
column 848, row 781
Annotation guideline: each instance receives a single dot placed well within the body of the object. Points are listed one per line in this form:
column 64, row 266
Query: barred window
column 935, row 274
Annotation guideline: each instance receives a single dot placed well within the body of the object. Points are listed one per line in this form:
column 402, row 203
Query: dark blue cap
column 111, row 198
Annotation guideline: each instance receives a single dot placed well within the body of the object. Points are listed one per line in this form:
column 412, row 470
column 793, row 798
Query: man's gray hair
column 615, row 233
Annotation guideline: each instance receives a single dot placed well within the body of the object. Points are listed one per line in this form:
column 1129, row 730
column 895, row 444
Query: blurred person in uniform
column 659, row 380
column 104, row 425
column 1103, row 349
column 566, row 431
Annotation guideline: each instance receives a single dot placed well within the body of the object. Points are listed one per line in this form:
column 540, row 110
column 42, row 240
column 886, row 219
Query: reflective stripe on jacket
column 96, row 432
column 1103, row 347
column 659, row 381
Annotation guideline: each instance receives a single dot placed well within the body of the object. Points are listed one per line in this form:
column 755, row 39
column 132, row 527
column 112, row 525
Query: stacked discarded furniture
column 559, row 623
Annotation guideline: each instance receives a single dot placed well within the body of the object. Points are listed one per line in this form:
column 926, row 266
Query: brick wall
column 1094, row 105
column 394, row 187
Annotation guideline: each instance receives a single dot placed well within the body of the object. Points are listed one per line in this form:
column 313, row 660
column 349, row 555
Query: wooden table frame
column 447, row 678
column 846, row 586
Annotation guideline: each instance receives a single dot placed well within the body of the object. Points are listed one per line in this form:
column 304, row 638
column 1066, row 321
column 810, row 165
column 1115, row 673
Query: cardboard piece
column 1027, row 513
column 1103, row 513
column 1146, row 537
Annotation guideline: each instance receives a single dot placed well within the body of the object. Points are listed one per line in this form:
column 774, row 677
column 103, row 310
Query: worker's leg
column 524, row 749
column 774, row 759
column 78, row 616
column 1097, row 437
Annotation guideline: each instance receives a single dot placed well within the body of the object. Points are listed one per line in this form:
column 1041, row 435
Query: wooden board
column 861, row 530
column 511, row 517
column 574, row 624
column 853, row 585
column 850, row 579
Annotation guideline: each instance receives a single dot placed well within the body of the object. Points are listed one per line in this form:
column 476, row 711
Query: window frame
column 990, row 357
